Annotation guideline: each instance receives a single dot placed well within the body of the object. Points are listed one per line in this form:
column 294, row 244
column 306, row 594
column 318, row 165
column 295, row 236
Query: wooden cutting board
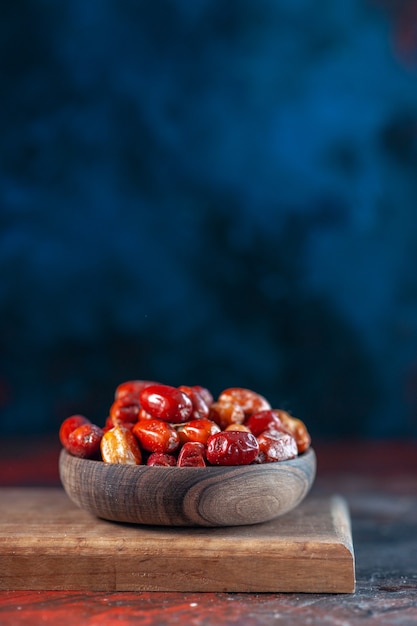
column 47, row 543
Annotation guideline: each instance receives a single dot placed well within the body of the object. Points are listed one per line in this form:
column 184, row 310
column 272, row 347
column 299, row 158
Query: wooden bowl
column 187, row 496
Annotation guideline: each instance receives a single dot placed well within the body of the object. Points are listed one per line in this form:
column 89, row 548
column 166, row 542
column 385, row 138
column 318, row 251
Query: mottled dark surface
column 209, row 193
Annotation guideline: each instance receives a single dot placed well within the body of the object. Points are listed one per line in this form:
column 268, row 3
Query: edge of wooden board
column 47, row 543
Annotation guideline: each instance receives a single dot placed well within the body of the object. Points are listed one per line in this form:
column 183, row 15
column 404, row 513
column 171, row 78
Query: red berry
column 232, row 447
column 85, row 441
column 296, row 428
column 260, row 421
column 125, row 409
column 200, row 406
column 192, row 455
column 132, row 387
column 70, row 424
column 204, row 393
column 156, row 436
column 109, row 424
column 166, row 403
column 161, row 459
column 250, row 401
column 226, row 413
column 276, row 446
column 118, row 445
column 197, row 430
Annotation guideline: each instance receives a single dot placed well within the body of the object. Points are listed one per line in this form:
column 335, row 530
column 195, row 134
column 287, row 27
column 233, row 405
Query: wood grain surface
column 187, row 496
column 47, row 543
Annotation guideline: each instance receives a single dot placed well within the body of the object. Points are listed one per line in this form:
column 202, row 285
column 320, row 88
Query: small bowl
column 187, row 496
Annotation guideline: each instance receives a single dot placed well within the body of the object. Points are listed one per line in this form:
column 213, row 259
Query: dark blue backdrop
column 209, row 192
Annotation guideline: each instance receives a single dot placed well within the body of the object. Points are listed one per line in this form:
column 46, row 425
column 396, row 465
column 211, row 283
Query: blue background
column 209, row 192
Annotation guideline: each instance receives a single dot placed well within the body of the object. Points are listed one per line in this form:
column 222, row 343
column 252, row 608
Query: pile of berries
column 155, row 424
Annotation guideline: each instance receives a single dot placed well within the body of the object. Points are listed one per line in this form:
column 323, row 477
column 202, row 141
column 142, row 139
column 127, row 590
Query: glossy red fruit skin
column 200, row 407
column 166, row 403
column 197, row 430
column 125, row 409
column 132, row 387
column 296, row 428
column 232, row 447
column 110, row 423
column 226, row 413
column 156, row 436
column 275, row 446
column 260, row 421
column 161, row 460
column 68, row 425
column 204, row 393
column 85, row 440
column 250, row 401
column 143, row 415
column 192, row 454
